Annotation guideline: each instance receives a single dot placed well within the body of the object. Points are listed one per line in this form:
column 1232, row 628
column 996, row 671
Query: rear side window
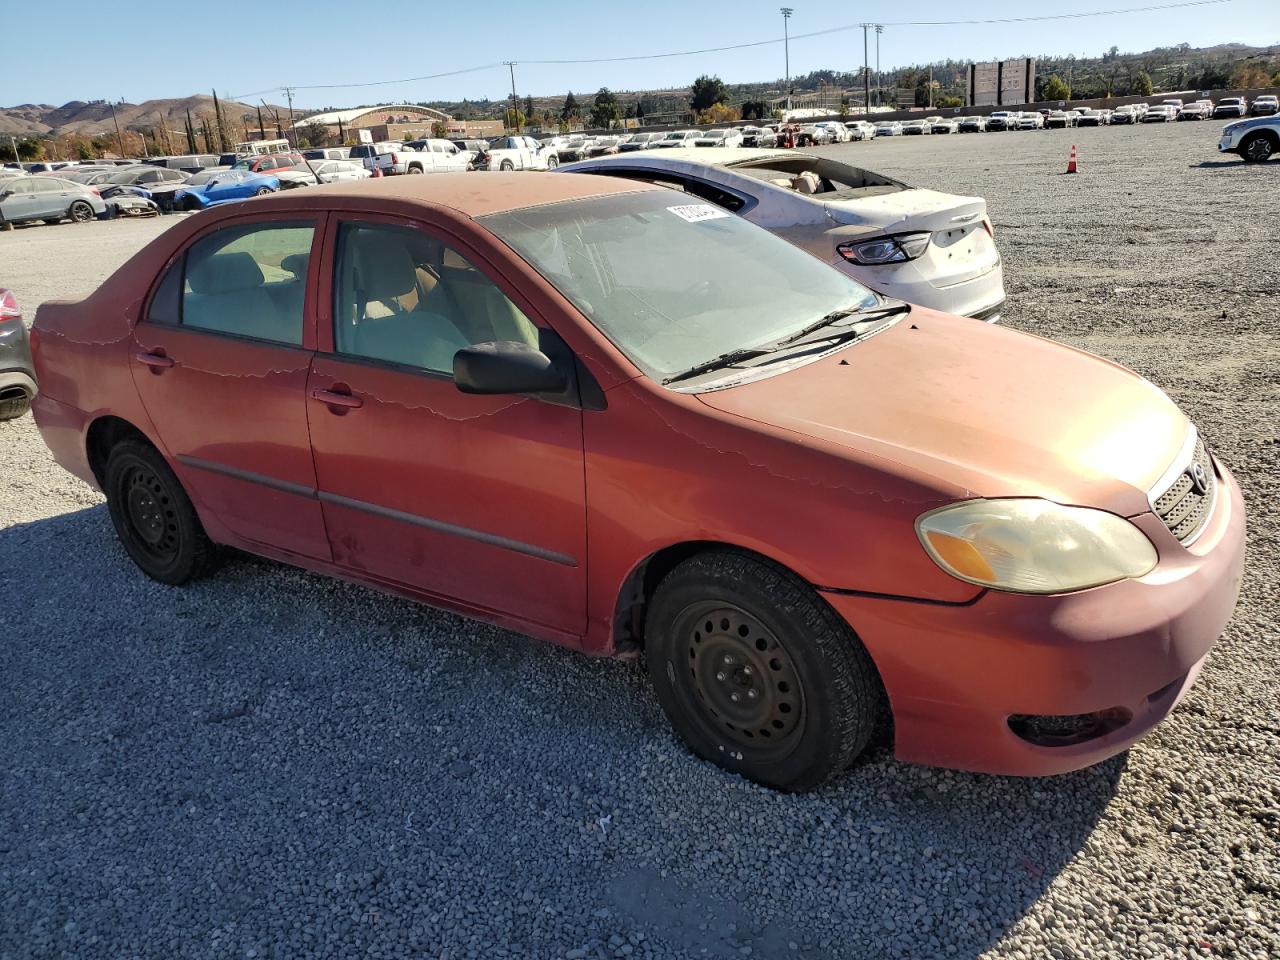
column 247, row 281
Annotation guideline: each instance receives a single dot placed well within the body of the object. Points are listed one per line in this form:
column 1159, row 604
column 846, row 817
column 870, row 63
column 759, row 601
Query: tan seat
column 228, row 294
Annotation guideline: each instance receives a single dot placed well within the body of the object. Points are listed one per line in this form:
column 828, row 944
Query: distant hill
column 80, row 118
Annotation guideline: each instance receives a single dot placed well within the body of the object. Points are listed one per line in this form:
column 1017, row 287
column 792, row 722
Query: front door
column 221, row 363
column 478, row 500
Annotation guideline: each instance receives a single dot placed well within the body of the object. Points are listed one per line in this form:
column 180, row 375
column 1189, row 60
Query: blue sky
column 249, row 47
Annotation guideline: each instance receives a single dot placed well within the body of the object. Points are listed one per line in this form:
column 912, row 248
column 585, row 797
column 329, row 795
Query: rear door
column 221, row 360
column 478, row 500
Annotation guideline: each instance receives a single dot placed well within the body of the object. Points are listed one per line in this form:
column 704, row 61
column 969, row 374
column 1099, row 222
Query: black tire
column 190, row 205
column 80, row 212
column 415, row 170
column 757, row 673
column 1256, row 148
column 154, row 519
column 263, row 191
column 11, row 408
column 53, row 221
column 506, row 166
column 552, row 162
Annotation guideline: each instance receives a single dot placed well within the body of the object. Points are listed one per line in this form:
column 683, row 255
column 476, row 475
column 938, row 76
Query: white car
column 933, row 249
column 317, row 171
column 517, row 153
column 917, row 127
column 677, row 138
column 1002, row 120
column 1265, row 105
column 1230, row 107
column 861, row 130
column 1160, row 114
column 972, row 125
column 888, row 128
column 836, row 132
column 943, row 125
column 1255, row 140
column 719, row 138
column 1030, row 121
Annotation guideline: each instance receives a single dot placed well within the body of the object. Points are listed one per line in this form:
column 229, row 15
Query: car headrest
column 225, row 273
column 384, row 268
column 806, row 182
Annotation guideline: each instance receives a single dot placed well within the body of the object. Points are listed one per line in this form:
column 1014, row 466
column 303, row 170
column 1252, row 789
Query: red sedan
column 618, row 418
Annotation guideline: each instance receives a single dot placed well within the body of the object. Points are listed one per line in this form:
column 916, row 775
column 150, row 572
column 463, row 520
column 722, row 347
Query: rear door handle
column 156, row 361
column 335, row 399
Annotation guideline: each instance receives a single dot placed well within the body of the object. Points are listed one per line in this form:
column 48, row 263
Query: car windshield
column 128, row 176
column 715, row 135
column 674, row 283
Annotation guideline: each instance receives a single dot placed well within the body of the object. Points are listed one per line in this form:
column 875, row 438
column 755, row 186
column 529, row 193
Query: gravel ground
column 273, row 764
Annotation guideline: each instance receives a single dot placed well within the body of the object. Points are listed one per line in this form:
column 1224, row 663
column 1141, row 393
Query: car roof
column 471, row 194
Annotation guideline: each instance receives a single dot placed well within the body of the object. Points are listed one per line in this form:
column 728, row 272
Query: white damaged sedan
column 933, row 249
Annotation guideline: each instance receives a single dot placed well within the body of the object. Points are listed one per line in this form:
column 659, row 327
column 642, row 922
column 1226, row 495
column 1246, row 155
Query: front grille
column 1185, row 505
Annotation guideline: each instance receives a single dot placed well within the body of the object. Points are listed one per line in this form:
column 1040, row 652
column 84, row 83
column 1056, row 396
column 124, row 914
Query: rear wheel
column 13, row 403
column 757, row 674
column 1257, row 148
column 80, row 212
column 552, row 161
column 506, row 165
column 263, row 191
column 154, row 519
column 415, row 170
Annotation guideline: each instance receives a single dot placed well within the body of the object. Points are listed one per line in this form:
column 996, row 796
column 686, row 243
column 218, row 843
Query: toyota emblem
column 1199, row 479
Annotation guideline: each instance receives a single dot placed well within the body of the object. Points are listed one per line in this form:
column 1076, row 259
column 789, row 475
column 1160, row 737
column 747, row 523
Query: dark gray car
column 17, row 376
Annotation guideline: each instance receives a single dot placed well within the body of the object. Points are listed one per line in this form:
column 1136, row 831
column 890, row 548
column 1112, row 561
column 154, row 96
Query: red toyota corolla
column 616, row 417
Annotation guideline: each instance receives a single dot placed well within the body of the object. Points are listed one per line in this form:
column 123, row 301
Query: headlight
column 1034, row 546
column 897, row 249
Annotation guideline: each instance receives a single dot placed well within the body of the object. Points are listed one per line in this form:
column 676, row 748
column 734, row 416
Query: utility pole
column 786, row 48
column 879, row 30
column 931, row 86
column 866, row 74
column 515, row 103
column 288, row 92
column 119, row 138
column 13, row 145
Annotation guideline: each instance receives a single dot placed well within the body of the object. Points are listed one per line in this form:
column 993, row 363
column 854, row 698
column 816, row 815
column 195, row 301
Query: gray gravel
column 273, row 764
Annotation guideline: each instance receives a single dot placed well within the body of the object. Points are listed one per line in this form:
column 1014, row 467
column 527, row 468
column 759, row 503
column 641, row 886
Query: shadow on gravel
column 1218, row 164
column 275, row 762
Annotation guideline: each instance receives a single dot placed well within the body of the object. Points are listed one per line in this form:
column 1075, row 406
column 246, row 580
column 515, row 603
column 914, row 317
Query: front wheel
column 80, row 212
column 1257, row 148
column 415, row 170
column 154, row 519
column 757, row 673
column 262, row 191
column 552, row 162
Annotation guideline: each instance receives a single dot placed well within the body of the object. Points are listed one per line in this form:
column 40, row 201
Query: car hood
column 978, row 410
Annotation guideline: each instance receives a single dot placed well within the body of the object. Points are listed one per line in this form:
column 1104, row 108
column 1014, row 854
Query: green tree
column 514, row 119
column 528, row 107
column 707, row 92
column 1055, row 88
column 605, row 110
column 570, row 108
column 754, row 110
column 1142, row 84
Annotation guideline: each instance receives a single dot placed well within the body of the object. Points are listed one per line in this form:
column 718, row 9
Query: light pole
column 866, row 74
column 879, row 30
column 786, row 48
column 119, row 139
column 515, row 104
column 293, row 134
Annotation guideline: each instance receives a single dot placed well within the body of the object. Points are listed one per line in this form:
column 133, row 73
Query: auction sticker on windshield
column 697, row 212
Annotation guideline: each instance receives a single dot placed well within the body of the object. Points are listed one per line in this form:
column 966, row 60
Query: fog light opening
column 1045, row 730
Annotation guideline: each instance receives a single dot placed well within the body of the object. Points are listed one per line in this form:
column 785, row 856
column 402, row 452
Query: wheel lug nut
column 720, row 676
column 752, row 694
column 729, row 661
column 747, row 671
column 735, row 697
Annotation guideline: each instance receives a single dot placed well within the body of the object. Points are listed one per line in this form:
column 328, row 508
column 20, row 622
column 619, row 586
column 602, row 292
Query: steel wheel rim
column 150, row 514
column 745, row 682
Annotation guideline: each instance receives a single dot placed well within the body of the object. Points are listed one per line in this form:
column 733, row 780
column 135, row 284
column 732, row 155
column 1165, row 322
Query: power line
column 754, row 43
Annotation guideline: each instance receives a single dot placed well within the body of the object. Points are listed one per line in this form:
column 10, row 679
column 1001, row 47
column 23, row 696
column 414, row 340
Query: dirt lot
column 271, row 764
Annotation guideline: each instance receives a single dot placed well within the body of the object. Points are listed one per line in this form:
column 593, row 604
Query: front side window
column 674, row 282
column 404, row 297
column 249, row 281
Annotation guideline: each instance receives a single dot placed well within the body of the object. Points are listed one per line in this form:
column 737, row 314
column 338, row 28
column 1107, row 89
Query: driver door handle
column 335, row 399
column 156, row 361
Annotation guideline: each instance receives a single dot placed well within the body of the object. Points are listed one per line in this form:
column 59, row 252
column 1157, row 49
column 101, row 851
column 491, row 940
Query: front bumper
column 956, row 674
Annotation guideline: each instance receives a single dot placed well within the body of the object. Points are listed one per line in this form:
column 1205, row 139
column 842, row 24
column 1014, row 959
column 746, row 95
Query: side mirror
column 505, row 366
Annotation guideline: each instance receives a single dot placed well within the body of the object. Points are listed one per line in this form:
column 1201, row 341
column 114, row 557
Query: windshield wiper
column 750, row 353
column 887, row 310
column 716, row 363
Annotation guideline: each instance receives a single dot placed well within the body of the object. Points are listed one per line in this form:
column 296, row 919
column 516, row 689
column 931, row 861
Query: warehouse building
column 397, row 122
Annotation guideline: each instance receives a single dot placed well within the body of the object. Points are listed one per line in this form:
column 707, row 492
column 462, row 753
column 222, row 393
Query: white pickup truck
column 439, row 156
column 517, row 153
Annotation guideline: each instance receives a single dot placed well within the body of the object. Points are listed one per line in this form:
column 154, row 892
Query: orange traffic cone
column 377, row 171
column 1071, row 162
